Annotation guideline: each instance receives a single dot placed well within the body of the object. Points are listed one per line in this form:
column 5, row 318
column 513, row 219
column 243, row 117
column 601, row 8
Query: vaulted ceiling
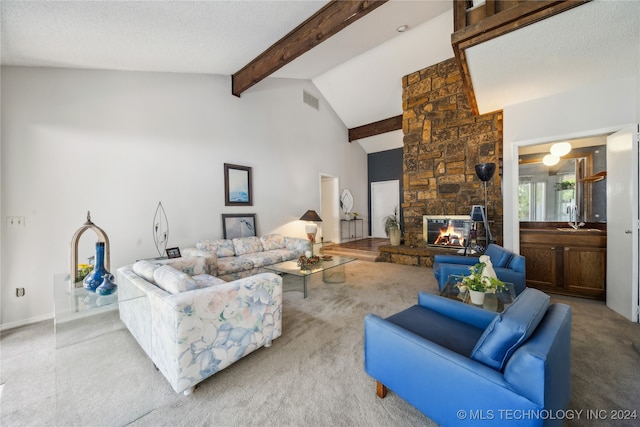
column 358, row 71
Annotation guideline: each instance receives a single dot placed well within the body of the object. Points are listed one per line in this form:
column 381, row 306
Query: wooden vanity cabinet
column 566, row 262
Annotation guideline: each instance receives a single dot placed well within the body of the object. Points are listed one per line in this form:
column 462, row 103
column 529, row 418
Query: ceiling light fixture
column 560, row 148
column 402, row 28
column 550, row 160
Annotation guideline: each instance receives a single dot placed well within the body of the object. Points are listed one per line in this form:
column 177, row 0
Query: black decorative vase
column 95, row 278
column 485, row 171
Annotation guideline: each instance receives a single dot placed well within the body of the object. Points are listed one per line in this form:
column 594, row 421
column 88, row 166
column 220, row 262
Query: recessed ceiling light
column 402, row 28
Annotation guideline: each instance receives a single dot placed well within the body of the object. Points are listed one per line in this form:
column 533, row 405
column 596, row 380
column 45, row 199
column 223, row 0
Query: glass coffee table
column 332, row 272
column 497, row 301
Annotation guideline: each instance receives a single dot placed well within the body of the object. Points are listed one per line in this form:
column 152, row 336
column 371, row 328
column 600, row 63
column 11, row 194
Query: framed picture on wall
column 237, row 185
column 238, row 225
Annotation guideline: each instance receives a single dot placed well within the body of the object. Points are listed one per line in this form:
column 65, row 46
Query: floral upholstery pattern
column 190, row 265
column 246, row 256
column 273, row 241
column 262, row 258
column 233, row 264
column 192, row 335
column 145, row 269
column 298, row 245
column 172, row 280
column 206, row 280
column 220, row 247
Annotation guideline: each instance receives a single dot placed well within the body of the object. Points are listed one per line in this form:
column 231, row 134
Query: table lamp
column 311, row 228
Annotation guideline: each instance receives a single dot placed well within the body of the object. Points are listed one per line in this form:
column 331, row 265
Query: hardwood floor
column 364, row 249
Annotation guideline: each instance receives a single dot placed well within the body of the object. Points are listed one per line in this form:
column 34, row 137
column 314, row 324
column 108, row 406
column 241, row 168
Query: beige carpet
column 312, row 375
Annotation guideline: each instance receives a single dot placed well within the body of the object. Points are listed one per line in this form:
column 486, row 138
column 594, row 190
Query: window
column 531, row 200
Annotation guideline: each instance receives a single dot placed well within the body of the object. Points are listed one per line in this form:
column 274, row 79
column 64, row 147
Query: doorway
column 329, row 208
column 385, row 198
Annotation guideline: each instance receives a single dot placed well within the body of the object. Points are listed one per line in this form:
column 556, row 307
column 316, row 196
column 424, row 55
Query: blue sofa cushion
column 443, row 330
column 511, row 328
column 500, row 257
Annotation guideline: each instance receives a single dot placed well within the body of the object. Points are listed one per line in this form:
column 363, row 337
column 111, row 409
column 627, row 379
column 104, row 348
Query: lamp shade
column 485, row 171
column 311, row 215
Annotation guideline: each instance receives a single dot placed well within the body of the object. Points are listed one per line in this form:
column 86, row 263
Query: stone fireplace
column 443, row 141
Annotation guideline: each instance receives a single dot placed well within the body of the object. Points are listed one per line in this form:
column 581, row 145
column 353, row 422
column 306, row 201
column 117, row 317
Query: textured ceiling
column 220, row 37
column 358, row 71
column 594, row 42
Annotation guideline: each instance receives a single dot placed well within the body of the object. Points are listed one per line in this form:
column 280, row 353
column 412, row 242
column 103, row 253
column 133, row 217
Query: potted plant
column 480, row 281
column 392, row 227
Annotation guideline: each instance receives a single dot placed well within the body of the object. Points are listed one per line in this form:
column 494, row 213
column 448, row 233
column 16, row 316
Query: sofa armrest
column 297, row 244
column 517, row 278
column 429, row 377
column 465, row 313
column 211, row 259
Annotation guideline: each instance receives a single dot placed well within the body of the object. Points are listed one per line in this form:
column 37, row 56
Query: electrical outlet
column 15, row 221
column 19, row 292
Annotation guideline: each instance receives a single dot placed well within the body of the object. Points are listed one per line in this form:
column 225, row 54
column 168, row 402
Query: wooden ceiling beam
column 376, row 128
column 329, row 20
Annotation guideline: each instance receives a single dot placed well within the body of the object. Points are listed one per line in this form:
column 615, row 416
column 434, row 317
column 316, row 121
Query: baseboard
column 24, row 322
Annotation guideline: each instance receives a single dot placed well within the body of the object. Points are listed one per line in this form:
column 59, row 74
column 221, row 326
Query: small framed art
column 173, row 253
column 237, row 185
column 238, row 225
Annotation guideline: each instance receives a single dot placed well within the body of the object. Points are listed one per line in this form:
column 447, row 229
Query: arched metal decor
column 102, row 237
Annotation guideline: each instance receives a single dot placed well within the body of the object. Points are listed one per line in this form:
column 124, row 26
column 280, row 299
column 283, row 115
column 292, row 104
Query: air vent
column 310, row 100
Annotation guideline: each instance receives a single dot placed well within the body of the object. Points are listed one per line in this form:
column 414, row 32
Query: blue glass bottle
column 95, row 278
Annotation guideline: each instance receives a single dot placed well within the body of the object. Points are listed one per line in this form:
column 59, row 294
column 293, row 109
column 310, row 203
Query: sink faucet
column 573, row 212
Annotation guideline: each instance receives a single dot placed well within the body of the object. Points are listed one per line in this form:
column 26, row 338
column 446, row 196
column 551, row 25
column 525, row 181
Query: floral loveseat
column 231, row 259
column 192, row 324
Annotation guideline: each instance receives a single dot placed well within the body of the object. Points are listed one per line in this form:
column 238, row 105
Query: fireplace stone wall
column 443, row 141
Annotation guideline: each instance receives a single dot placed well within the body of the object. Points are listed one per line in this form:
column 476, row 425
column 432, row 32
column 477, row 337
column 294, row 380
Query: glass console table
column 102, row 375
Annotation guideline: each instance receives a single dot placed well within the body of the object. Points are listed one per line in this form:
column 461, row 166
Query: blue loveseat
column 509, row 266
column 462, row 365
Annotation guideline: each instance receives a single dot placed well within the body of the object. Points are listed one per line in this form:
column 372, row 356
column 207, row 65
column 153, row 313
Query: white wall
column 117, row 143
column 602, row 108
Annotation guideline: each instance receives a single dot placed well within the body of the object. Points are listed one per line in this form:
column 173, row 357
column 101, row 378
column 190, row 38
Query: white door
column 329, row 209
column 622, row 222
column 385, row 197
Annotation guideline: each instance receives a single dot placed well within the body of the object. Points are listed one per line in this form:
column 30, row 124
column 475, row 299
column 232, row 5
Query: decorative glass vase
column 95, row 278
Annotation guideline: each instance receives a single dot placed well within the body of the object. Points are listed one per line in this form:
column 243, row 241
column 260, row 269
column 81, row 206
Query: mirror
column 571, row 190
column 346, row 201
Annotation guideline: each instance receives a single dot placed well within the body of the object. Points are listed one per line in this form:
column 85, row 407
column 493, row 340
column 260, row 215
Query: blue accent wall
column 385, row 166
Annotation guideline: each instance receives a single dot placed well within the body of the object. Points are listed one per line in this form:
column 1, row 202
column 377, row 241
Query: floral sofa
column 192, row 324
column 231, row 259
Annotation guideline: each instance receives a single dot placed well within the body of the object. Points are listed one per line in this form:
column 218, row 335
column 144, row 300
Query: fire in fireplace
column 446, row 230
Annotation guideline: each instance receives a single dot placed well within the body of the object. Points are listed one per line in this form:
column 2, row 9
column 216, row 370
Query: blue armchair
column 462, row 365
column 509, row 266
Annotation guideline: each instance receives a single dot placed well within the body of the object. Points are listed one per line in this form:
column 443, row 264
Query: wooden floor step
column 355, row 253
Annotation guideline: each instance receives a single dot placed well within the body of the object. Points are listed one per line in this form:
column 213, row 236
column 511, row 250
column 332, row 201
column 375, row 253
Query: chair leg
column 381, row 389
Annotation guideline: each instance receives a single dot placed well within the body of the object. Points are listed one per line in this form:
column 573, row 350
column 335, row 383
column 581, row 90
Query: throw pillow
column 509, row 329
column 173, row 281
column 145, row 269
column 273, row 241
column 247, row 245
